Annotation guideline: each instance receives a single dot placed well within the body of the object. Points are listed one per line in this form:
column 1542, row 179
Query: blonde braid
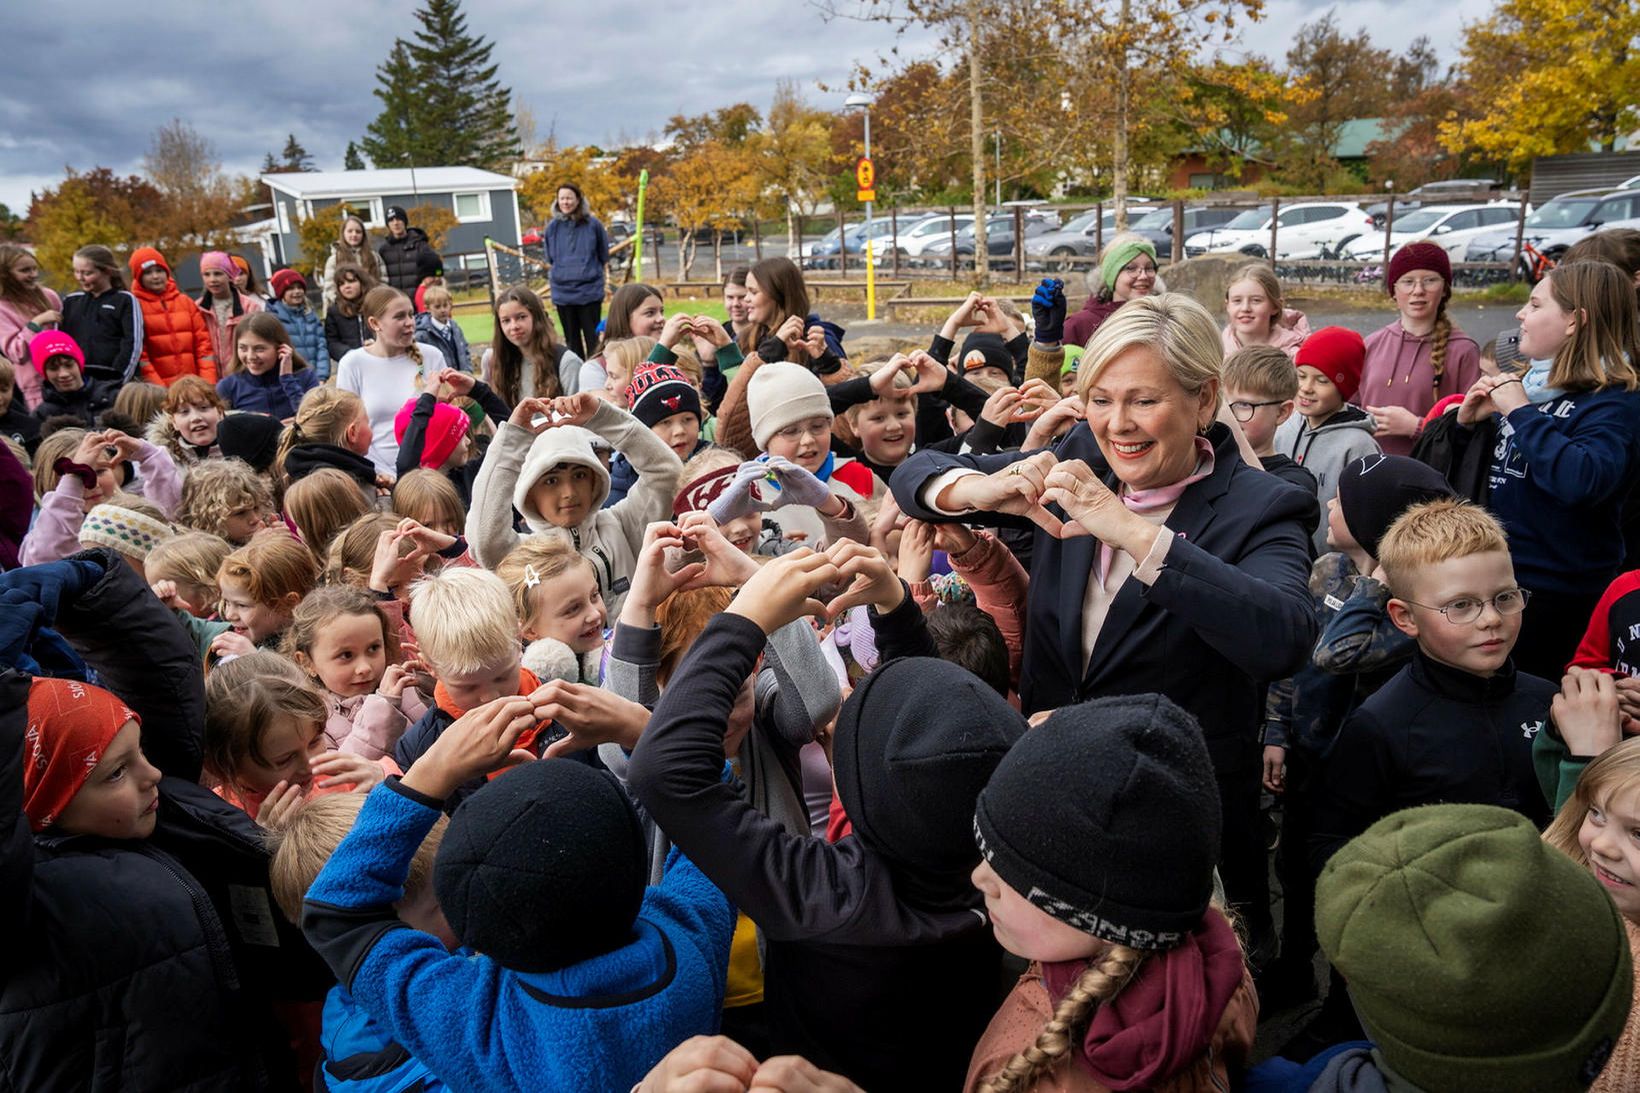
column 1437, row 351
column 1101, row 982
column 414, row 353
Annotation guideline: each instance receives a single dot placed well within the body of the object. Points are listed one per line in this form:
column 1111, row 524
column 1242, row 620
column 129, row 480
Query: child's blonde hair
column 1261, row 370
column 192, row 559
column 302, row 847
column 429, row 498
column 329, row 602
column 192, row 391
column 375, row 305
column 353, row 549
column 1603, row 348
column 1434, row 532
column 141, row 402
column 437, row 293
column 8, row 374
column 1617, row 768
column 464, row 621
column 1099, row 983
column 322, row 504
column 533, row 562
column 322, row 417
column 58, row 445
column 272, row 567
column 244, row 698
column 214, row 490
column 1265, row 278
column 899, row 392
column 628, row 355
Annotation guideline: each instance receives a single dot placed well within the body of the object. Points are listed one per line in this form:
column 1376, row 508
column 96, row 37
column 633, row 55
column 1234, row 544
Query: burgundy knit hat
column 1419, row 255
column 283, row 281
column 1337, row 353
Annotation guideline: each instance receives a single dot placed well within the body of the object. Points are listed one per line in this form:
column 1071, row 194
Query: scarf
column 527, row 683
column 1159, row 497
column 1165, row 1018
column 1536, row 382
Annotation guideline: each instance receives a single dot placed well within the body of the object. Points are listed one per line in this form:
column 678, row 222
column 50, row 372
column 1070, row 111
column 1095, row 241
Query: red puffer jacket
column 175, row 339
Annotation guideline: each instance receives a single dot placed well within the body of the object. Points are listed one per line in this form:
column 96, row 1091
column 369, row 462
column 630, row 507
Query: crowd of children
column 691, row 706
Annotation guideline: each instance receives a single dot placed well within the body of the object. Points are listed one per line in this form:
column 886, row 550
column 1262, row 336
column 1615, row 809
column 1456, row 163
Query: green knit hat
column 1119, row 255
column 1478, row 957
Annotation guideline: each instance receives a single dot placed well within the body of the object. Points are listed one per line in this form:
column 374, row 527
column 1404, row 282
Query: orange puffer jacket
column 175, row 340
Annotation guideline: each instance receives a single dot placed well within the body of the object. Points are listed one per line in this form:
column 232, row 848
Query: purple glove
column 797, row 486
column 743, row 496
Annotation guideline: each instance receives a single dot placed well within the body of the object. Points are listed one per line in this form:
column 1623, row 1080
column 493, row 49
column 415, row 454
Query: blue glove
column 1048, row 309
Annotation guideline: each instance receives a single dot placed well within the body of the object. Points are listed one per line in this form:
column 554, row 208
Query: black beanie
column 991, row 347
column 914, row 745
column 396, row 212
column 1376, row 489
column 1106, row 816
column 251, row 437
column 544, row 867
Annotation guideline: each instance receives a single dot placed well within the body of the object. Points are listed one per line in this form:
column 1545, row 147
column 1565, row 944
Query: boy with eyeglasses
column 1260, row 384
column 1457, row 723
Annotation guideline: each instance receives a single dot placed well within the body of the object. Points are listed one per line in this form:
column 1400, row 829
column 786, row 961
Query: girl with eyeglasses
column 1421, row 357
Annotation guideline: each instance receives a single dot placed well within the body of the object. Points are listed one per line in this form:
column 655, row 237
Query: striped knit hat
column 125, row 530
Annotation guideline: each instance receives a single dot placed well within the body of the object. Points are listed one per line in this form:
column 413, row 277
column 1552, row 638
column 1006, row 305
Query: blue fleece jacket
column 361, row 1058
column 270, row 393
column 1557, row 479
column 599, row 1024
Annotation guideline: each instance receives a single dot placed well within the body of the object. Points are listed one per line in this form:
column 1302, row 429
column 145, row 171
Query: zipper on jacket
column 609, row 570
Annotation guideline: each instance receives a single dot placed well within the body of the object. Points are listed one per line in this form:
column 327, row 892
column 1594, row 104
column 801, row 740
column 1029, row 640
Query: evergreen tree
column 270, row 166
column 351, row 159
column 392, row 139
column 441, row 101
column 296, row 158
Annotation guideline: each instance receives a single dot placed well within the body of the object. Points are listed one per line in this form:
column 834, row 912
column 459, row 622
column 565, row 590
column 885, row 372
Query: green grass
column 1502, row 293
column 479, row 326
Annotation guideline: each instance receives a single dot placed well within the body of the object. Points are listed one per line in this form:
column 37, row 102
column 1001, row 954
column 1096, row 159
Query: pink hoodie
column 14, row 338
column 1291, row 330
column 1397, row 372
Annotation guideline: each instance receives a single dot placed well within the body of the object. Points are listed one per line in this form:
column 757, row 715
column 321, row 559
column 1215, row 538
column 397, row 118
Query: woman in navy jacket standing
column 1166, row 565
column 577, row 249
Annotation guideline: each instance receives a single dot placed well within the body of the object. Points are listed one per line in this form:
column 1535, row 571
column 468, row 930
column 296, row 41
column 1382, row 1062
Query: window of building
column 470, row 207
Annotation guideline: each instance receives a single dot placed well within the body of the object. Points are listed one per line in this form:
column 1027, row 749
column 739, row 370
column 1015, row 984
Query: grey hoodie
column 609, row 538
column 1325, row 452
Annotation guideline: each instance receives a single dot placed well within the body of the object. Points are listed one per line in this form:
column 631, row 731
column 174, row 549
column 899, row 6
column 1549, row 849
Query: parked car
column 1157, row 226
column 823, row 252
column 1304, row 230
column 1558, row 224
column 1077, row 237
column 1449, row 191
column 915, row 236
column 1452, row 226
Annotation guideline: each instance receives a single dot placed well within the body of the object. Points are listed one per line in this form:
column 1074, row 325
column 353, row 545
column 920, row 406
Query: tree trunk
column 717, row 256
column 1119, row 157
column 793, row 250
column 976, row 144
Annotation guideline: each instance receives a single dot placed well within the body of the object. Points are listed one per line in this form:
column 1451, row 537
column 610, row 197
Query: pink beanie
column 444, row 431
column 53, row 343
column 218, row 260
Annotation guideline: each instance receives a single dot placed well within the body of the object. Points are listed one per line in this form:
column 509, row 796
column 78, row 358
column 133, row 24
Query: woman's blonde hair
column 216, row 489
column 375, row 305
column 1614, row 770
column 141, row 402
column 1265, row 278
column 322, row 504
column 1102, row 981
column 1173, row 325
column 329, row 602
column 429, row 498
column 1604, row 346
column 533, row 562
column 58, row 445
column 192, row 558
column 244, row 698
column 322, row 417
column 272, row 567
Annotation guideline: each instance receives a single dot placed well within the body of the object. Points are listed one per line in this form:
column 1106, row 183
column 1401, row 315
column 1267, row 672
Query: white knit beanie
column 782, row 394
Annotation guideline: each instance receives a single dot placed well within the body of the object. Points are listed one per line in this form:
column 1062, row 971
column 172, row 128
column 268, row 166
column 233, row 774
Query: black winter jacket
column 108, row 330
column 1433, row 735
column 305, row 458
column 147, row 964
column 343, row 334
column 406, row 258
column 91, row 398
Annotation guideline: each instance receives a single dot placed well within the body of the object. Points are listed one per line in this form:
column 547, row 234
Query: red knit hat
column 53, row 343
column 143, row 257
column 444, row 431
column 1337, row 353
column 1419, row 255
column 697, row 495
column 283, row 281
column 70, row 725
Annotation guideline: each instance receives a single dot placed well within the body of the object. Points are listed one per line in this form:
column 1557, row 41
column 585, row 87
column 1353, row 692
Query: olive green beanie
column 1477, row 956
column 1119, row 254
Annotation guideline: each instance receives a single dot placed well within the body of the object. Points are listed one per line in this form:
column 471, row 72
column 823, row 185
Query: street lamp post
column 863, row 101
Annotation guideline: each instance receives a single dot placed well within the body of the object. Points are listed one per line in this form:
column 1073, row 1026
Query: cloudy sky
column 90, row 89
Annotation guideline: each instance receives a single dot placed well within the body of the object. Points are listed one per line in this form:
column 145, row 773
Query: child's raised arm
column 490, row 520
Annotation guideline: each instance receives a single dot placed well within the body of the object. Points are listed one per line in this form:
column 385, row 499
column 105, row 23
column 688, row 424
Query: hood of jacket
column 560, row 444
column 1349, row 416
column 170, row 290
column 1413, row 350
column 305, row 458
column 915, row 743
